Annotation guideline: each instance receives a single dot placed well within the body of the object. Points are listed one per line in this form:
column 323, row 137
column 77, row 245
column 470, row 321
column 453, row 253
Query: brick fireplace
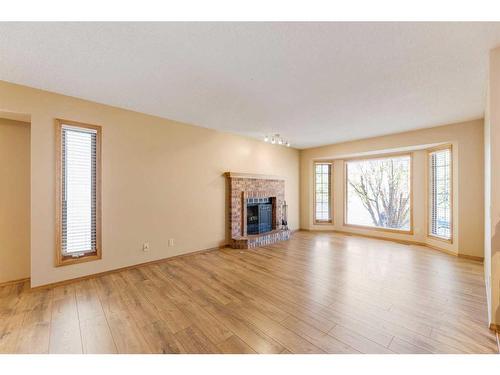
column 257, row 212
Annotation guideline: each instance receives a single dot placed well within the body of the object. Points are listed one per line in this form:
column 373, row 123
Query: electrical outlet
column 145, row 246
column 171, row 242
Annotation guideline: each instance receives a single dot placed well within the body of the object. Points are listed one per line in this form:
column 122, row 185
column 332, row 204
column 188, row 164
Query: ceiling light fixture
column 276, row 138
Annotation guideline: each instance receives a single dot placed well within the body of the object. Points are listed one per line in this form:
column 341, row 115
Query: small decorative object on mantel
column 284, row 216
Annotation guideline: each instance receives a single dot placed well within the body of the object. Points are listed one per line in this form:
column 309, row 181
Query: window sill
column 379, row 229
column 68, row 260
column 442, row 239
column 323, row 222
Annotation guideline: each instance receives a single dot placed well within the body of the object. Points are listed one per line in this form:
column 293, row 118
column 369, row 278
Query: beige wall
column 467, row 141
column 14, row 200
column 492, row 189
column 161, row 180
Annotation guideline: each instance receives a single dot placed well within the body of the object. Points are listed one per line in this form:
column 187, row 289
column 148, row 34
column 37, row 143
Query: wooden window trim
column 330, row 193
column 373, row 228
column 60, row 259
column 428, row 194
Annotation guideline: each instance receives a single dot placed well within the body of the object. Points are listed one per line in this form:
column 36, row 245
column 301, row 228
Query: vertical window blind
column 79, row 188
column 440, row 194
column 322, row 182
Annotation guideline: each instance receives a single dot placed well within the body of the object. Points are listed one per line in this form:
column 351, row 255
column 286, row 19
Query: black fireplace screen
column 259, row 215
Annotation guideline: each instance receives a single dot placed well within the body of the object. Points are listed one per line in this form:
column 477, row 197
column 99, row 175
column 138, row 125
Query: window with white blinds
column 440, row 221
column 322, row 192
column 79, row 206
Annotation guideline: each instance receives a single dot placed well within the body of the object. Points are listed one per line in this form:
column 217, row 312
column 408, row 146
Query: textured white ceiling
column 315, row 83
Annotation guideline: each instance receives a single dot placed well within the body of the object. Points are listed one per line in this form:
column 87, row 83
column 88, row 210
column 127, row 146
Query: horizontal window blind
column 440, row 193
column 79, row 166
column 322, row 182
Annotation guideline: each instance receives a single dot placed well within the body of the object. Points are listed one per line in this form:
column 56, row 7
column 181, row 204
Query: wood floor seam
column 104, row 314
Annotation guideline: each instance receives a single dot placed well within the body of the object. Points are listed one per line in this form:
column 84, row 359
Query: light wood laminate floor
column 317, row 293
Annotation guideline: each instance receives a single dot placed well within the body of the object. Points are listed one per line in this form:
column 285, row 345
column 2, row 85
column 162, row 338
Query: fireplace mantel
column 253, row 176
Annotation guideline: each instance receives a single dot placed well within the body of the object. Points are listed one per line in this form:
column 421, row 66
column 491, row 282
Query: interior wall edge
column 15, row 193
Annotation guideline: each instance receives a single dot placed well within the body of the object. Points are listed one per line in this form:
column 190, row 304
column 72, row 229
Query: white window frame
column 410, row 185
column 330, row 193
column 430, row 197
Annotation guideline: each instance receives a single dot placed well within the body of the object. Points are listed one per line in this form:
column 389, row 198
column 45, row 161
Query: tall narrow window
column 322, row 192
column 379, row 193
column 78, row 192
column 440, row 220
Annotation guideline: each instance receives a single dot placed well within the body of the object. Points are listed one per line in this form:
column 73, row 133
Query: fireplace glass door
column 259, row 215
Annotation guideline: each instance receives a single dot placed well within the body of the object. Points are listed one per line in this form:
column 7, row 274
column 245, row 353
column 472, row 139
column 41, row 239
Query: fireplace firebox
column 259, row 215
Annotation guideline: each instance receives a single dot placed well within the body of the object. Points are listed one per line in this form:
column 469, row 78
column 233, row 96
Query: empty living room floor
column 317, row 293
